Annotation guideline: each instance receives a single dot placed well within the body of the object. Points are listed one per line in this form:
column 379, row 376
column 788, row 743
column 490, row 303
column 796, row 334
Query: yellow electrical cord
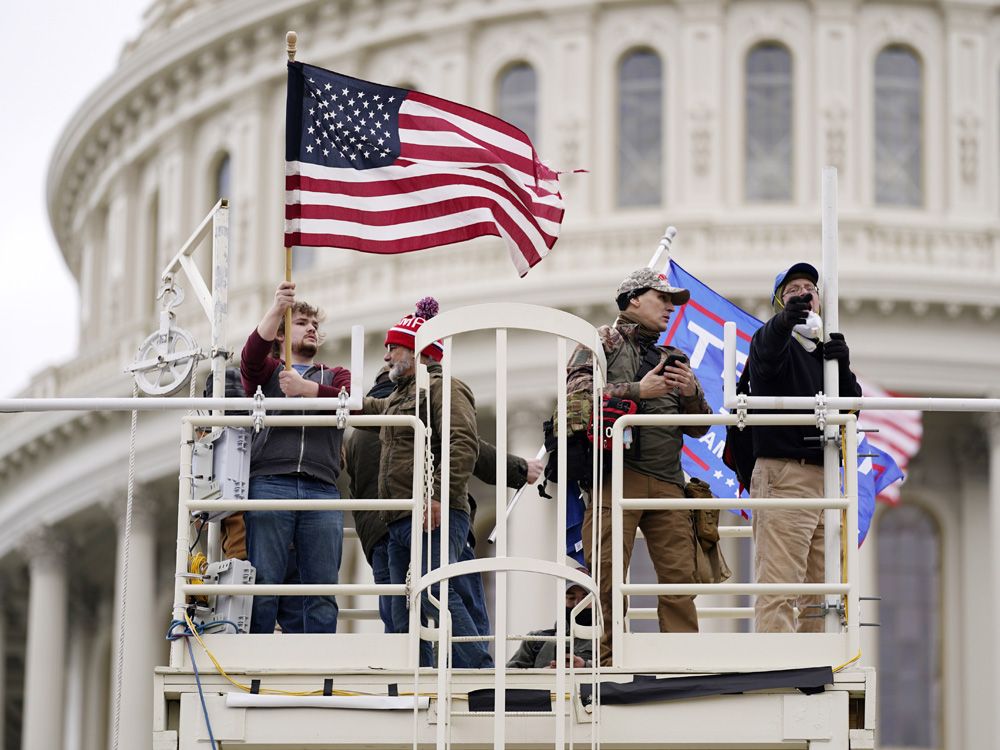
column 247, row 688
column 848, row 662
column 197, row 565
column 275, row 691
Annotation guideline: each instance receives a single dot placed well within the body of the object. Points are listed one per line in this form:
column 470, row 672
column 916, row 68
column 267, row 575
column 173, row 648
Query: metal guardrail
column 186, row 503
column 833, row 584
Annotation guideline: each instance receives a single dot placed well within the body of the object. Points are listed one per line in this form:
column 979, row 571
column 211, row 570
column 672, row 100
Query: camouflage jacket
column 658, row 453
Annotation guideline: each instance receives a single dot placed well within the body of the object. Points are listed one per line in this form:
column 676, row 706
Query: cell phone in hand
column 674, row 359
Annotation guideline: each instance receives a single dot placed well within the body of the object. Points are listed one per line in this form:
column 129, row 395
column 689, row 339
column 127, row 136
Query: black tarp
column 647, row 688
column 518, row 699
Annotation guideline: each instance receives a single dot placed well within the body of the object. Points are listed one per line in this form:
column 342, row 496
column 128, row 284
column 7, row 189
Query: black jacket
column 780, row 366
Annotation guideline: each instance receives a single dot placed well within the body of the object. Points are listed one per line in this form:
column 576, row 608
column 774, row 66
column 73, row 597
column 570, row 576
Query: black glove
column 796, row 311
column 836, row 348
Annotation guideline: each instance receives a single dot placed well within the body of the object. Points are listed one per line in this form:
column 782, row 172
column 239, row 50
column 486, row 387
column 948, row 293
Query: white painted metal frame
column 186, row 504
column 501, row 317
column 831, row 384
column 713, row 651
column 216, row 303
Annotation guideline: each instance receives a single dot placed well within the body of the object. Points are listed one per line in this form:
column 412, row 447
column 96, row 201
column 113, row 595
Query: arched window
column 517, row 98
column 768, row 174
column 898, row 128
column 640, row 129
column 223, row 177
column 909, row 583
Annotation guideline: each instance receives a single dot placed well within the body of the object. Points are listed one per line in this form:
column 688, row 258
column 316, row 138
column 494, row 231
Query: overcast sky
column 55, row 52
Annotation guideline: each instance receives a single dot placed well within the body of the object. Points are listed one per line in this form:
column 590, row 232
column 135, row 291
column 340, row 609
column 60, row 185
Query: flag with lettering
column 697, row 329
column 388, row 170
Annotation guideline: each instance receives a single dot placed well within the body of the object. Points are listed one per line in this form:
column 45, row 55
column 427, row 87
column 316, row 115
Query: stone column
column 992, row 427
column 697, row 175
column 143, row 625
column 44, row 666
column 969, row 79
column 96, row 703
column 564, row 136
column 76, row 673
column 835, row 41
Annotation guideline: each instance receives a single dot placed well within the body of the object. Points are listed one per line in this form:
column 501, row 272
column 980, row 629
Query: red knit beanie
column 404, row 333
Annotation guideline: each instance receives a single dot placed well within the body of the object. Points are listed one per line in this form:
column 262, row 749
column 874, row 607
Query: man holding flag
column 659, row 380
column 786, row 359
column 293, row 463
column 698, row 328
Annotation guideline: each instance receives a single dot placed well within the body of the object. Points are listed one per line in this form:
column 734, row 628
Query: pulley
column 166, row 359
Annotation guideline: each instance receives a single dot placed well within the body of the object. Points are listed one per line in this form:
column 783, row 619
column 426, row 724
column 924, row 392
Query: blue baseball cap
column 799, row 269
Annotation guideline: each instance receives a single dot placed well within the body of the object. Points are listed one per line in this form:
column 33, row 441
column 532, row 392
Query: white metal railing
column 500, row 318
column 734, row 402
column 622, row 655
column 186, row 504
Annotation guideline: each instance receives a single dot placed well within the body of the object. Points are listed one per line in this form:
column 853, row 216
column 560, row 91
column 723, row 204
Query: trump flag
column 697, row 329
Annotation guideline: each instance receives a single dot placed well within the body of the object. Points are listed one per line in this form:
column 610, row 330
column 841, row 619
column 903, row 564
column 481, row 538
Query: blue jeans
column 470, row 588
column 290, row 607
column 318, row 536
column 464, row 655
column 380, row 569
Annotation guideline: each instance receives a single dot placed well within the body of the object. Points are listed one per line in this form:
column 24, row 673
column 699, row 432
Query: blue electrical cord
column 202, row 628
column 186, row 635
column 201, row 693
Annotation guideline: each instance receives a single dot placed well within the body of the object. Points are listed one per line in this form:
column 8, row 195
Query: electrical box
column 224, row 607
column 221, row 467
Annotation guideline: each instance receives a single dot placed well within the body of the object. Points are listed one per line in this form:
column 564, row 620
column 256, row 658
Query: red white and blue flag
column 697, row 329
column 387, row 170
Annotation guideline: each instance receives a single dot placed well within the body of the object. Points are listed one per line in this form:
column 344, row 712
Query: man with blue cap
column 786, row 359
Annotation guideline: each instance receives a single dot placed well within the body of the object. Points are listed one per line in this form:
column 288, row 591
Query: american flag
column 387, row 170
column 899, row 434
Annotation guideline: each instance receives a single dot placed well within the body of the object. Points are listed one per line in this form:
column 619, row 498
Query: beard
column 306, row 349
column 400, row 368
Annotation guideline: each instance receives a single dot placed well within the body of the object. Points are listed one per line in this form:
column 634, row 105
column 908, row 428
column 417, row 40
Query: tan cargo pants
column 789, row 544
column 670, row 540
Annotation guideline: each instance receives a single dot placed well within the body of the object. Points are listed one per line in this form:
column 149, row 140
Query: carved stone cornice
column 34, row 437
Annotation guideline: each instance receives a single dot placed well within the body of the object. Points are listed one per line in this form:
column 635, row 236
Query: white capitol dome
column 714, row 116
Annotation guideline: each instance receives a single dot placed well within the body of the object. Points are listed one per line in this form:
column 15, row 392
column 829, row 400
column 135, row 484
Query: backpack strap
column 650, row 361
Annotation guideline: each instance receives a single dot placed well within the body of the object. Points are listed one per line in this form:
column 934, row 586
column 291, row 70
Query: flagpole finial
column 291, row 39
column 665, row 241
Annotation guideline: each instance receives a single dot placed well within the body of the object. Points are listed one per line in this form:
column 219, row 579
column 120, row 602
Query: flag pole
column 291, row 40
column 664, row 247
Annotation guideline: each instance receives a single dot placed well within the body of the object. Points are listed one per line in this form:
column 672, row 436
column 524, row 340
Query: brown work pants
column 788, row 545
column 670, row 540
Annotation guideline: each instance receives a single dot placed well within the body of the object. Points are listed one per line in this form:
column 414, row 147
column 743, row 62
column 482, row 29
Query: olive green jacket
column 395, row 476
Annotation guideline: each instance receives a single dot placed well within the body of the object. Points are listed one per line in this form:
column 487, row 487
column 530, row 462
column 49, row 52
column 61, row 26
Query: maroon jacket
column 291, row 450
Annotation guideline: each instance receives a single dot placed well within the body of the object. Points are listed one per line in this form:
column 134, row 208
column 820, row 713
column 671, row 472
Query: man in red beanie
column 396, row 468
